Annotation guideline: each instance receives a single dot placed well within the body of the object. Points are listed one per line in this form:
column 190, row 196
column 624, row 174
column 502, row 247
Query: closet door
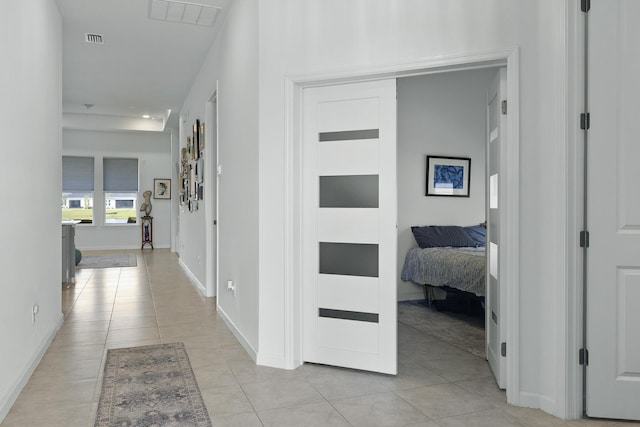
column 613, row 277
column 349, row 225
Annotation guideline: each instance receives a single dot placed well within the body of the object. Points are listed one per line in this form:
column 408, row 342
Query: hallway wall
column 307, row 38
column 30, row 118
column 232, row 61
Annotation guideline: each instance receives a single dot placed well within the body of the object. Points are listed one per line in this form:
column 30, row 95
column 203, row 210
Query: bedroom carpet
column 151, row 385
column 459, row 330
column 108, row 261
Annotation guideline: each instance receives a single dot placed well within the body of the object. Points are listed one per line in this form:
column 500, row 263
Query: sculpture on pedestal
column 146, row 205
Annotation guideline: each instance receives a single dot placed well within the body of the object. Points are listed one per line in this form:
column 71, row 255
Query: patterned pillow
column 478, row 234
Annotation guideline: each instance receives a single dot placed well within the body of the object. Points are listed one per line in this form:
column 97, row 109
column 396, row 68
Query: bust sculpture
column 146, row 205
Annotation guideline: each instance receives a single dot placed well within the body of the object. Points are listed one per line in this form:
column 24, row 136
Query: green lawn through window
column 122, row 215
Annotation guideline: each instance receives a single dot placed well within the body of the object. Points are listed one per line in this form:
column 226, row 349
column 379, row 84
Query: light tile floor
column 437, row 384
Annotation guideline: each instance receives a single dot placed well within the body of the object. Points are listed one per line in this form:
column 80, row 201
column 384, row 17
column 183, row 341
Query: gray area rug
column 108, row 261
column 152, row 385
column 459, row 330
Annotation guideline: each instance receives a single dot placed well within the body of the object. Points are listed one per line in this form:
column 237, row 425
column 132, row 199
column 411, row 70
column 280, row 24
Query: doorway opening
column 295, row 171
column 211, row 200
column 446, row 120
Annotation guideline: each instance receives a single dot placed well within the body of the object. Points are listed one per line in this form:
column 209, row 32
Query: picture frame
column 448, row 176
column 162, row 188
column 201, row 139
column 196, row 140
column 199, row 164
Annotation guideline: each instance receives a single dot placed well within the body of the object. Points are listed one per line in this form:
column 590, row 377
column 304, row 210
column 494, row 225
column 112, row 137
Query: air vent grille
column 185, row 12
column 93, row 38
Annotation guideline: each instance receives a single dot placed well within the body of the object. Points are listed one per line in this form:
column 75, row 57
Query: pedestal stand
column 147, row 231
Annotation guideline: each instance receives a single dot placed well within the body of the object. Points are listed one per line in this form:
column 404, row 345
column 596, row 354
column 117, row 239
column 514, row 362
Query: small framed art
column 448, row 176
column 162, row 188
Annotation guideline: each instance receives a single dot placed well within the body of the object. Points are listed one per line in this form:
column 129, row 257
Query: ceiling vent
column 93, row 38
column 183, row 12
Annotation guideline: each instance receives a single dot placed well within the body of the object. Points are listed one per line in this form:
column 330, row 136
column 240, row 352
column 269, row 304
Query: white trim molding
column 294, row 85
column 239, row 336
column 9, row 399
column 194, row 280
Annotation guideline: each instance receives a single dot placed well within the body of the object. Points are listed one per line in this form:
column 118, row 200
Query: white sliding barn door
column 495, row 299
column 349, row 226
column 613, row 277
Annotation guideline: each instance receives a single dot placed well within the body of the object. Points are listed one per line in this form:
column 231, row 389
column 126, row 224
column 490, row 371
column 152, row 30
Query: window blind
column 77, row 173
column 120, row 174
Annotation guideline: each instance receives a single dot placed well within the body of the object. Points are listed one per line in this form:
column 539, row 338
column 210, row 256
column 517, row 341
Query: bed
column 449, row 258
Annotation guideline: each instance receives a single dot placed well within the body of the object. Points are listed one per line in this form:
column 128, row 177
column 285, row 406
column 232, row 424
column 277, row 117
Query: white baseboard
column 273, row 361
column 14, row 391
column 550, row 406
column 538, row 401
column 194, row 280
column 239, row 336
column 527, row 400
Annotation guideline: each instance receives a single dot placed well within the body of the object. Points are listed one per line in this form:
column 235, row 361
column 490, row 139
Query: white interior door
column 495, row 299
column 613, row 276
column 349, row 226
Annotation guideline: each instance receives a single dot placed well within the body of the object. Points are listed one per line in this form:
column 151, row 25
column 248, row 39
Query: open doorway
column 310, row 96
column 211, row 201
column 443, row 121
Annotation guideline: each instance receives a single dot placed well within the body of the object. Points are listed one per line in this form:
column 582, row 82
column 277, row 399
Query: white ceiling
column 145, row 66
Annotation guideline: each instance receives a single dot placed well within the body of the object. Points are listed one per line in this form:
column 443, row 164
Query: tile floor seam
column 341, row 414
column 412, row 405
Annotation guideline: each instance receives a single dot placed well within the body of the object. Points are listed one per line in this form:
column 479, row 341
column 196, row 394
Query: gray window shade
column 120, row 174
column 77, row 173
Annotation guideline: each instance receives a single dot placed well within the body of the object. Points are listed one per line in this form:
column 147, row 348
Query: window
column 77, row 189
column 120, row 190
column 125, row 204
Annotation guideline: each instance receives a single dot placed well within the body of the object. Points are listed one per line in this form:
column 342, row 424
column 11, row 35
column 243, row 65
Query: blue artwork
column 448, row 176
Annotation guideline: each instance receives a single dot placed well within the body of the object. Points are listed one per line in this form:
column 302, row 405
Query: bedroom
column 362, row 188
column 440, row 115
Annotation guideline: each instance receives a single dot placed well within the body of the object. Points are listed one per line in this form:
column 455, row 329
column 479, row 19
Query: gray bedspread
column 460, row 268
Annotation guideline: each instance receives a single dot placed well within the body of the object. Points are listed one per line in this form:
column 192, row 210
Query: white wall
column 153, row 151
column 232, row 61
column 30, row 172
column 303, row 37
column 442, row 115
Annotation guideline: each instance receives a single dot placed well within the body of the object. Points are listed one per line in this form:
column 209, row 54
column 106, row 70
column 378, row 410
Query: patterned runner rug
column 108, row 261
column 150, row 386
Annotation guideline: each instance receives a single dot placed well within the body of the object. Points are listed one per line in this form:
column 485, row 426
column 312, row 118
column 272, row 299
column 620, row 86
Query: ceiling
column 145, row 66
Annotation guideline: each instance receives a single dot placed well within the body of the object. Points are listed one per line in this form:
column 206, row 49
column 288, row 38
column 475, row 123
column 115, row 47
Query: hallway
column 437, row 385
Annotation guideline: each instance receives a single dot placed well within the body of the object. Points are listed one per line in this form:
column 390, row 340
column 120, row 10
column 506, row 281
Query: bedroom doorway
column 450, row 117
column 297, row 278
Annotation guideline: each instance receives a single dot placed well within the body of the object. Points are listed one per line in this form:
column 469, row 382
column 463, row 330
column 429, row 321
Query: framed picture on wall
column 162, row 188
column 196, row 140
column 201, row 139
column 448, row 176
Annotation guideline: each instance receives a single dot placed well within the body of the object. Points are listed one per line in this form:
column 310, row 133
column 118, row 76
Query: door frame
column 211, row 214
column 294, row 86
